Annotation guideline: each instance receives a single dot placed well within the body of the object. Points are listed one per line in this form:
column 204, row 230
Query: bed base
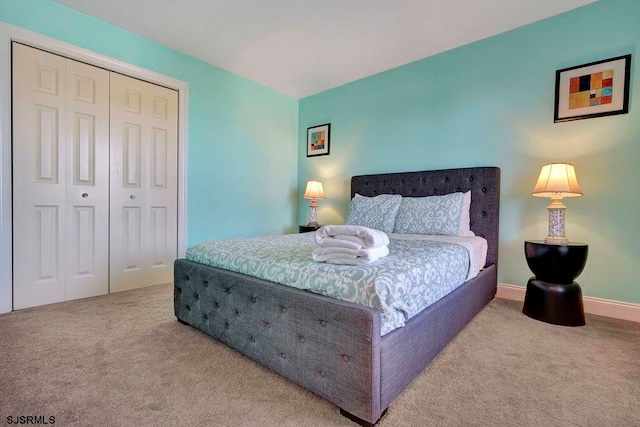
column 330, row 347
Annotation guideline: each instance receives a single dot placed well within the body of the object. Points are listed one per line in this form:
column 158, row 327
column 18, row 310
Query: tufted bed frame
column 334, row 348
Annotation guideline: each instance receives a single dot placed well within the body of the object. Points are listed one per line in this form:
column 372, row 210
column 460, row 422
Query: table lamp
column 313, row 191
column 557, row 181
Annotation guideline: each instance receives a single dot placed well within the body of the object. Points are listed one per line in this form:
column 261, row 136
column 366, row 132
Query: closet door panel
column 162, row 184
column 129, row 143
column 38, row 151
column 87, row 177
column 144, row 187
column 95, row 180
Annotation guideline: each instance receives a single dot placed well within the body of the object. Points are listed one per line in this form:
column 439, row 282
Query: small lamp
column 313, row 191
column 557, row 181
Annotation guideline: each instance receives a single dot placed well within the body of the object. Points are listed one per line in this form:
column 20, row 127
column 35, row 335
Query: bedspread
column 414, row 275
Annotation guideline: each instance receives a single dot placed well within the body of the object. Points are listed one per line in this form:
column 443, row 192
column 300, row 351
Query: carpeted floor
column 123, row 359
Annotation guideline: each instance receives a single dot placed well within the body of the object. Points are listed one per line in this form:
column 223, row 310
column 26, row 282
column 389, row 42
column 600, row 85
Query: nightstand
column 552, row 295
column 307, row 228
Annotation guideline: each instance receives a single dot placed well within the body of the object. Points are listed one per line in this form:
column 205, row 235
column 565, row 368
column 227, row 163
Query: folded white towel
column 349, row 256
column 335, row 243
column 325, row 250
column 354, row 239
column 367, row 238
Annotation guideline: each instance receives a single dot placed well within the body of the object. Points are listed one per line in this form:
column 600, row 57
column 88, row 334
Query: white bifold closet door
column 60, row 178
column 144, row 184
column 94, row 180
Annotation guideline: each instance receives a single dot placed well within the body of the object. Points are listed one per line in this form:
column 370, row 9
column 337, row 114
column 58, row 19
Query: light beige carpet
column 123, row 359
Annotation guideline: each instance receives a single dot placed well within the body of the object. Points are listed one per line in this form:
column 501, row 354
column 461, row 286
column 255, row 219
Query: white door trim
column 9, row 33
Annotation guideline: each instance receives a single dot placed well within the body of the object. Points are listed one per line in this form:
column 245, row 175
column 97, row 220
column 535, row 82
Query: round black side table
column 552, row 295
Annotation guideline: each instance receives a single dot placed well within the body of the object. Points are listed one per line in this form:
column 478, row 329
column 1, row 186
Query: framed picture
column 593, row 90
column 318, row 138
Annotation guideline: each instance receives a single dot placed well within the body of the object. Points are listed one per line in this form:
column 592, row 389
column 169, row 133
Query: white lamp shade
column 314, row 190
column 557, row 180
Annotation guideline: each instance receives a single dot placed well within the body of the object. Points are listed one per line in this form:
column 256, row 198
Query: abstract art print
column 318, row 140
column 593, row 90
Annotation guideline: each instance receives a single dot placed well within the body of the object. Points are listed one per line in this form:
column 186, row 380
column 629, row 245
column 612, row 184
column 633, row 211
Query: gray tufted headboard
column 484, row 183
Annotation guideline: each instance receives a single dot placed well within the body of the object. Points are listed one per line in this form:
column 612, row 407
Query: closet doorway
column 95, row 171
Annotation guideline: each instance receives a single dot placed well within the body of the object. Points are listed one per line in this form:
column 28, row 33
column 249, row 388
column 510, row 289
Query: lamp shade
column 557, row 180
column 314, row 190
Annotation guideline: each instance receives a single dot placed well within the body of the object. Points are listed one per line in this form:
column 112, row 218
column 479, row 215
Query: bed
column 336, row 348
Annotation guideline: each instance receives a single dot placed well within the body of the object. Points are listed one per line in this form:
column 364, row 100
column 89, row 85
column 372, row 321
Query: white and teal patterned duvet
column 414, row 275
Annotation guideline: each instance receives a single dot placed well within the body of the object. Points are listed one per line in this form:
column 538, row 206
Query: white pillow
column 465, row 228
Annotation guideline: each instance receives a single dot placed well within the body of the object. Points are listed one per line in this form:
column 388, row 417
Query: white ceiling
column 301, row 47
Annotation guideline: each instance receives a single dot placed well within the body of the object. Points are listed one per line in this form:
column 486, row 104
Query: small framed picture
column 593, row 90
column 318, row 139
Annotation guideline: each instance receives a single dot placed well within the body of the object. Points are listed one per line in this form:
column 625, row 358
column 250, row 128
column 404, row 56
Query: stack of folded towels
column 350, row 245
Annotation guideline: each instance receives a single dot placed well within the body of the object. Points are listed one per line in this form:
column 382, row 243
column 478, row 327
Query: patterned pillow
column 434, row 215
column 377, row 212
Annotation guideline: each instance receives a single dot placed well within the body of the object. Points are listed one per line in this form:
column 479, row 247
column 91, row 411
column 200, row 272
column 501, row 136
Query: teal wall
column 242, row 136
column 488, row 103
column 491, row 103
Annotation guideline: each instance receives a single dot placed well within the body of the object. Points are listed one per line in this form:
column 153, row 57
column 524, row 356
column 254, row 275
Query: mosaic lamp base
column 556, row 222
column 313, row 215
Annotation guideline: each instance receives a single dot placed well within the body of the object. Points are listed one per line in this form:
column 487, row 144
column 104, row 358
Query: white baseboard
column 592, row 305
column 512, row 292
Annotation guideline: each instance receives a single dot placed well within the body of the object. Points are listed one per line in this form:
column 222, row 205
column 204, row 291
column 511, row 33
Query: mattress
column 476, row 245
column 416, row 273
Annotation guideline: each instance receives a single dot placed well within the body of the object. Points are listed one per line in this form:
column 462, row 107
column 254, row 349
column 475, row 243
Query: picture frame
column 318, row 140
column 596, row 89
